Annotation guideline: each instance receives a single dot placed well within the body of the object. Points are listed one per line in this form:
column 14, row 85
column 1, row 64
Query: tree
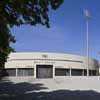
column 19, row 12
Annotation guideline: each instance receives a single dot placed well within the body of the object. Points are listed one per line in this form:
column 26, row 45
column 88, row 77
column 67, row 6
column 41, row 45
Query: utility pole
column 87, row 16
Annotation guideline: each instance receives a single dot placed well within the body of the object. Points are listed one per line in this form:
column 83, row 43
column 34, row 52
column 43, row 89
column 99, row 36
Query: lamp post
column 87, row 16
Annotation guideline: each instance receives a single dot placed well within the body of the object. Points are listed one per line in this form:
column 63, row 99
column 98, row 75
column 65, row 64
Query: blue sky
column 67, row 32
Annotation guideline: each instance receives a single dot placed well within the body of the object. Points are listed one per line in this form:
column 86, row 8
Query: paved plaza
column 59, row 88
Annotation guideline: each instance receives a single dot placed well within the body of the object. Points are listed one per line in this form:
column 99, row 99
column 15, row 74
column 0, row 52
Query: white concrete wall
column 26, row 60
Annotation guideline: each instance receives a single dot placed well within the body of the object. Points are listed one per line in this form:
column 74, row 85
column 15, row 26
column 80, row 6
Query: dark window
column 85, row 72
column 91, row 72
column 62, row 72
column 25, row 72
column 94, row 72
column 11, row 72
column 76, row 72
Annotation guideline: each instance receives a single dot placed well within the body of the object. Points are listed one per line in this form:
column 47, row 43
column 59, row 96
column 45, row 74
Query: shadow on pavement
column 27, row 91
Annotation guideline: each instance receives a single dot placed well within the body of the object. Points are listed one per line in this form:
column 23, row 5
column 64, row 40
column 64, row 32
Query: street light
column 87, row 16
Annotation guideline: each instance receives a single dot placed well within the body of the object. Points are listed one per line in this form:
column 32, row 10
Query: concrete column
column 70, row 71
column 16, row 72
column 53, row 71
column 83, row 73
column 91, row 73
column 34, row 71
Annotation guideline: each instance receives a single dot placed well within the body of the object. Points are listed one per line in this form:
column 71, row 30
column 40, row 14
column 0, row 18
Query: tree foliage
column 18, row 12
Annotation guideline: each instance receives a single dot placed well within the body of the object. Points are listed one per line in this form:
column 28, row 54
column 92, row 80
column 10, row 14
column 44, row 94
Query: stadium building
column 50, row 65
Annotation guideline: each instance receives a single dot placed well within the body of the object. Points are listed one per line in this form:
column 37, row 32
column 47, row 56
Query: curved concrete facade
column 58, row 64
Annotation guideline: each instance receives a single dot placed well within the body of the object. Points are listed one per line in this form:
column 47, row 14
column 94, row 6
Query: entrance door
column 44, row 71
